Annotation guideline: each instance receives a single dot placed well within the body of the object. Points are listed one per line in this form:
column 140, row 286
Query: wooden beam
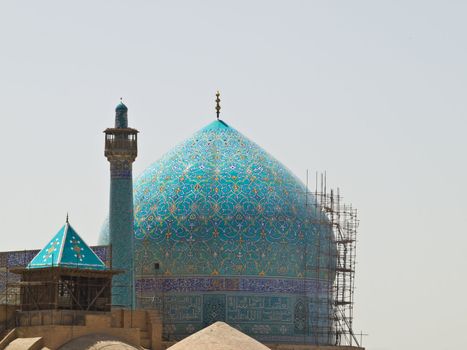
column 98, row 294
column 71, row 294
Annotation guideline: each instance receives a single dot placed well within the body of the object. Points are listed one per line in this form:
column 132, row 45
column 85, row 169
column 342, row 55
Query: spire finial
column 218, row 104
column 67, row 218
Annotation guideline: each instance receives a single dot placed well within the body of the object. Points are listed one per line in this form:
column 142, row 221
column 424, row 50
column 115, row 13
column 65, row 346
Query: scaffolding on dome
column 342, row 219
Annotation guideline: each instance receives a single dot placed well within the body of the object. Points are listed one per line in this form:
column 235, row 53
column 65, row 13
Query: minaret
column 121, row 151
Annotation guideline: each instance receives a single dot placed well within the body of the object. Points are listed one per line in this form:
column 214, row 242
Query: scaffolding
column 330, row 213
column 64, row 288
column 13, row 289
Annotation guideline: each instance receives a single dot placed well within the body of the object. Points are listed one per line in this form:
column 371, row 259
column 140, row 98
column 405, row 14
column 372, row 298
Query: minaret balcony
column 121, row 144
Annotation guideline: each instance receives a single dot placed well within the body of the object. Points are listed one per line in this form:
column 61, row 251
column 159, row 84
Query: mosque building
column 218, row 230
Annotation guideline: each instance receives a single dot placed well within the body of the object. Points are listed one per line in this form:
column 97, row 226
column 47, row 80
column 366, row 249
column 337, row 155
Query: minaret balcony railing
column 121, row 147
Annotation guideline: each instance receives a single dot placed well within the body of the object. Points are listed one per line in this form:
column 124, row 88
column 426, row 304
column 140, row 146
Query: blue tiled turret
column 67, row 249
column 121, row 151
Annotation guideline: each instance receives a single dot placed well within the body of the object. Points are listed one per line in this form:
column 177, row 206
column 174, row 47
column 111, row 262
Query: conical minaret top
column 121, row 115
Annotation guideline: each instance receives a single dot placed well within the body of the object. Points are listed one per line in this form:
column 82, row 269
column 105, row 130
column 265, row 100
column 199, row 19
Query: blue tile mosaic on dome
column 236, row 239
column 218, row 204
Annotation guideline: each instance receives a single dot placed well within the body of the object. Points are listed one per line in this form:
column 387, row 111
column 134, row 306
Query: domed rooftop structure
column 236, row 240
column 97, row 342
column 218, row 336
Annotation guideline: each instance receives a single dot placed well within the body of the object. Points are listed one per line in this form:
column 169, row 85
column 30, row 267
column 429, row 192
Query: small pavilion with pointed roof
column 66, row 274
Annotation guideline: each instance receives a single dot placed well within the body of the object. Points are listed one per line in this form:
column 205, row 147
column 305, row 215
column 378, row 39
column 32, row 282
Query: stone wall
column 56, row 328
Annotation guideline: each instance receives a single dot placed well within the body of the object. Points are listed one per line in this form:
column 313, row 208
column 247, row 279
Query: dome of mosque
column 237, row 239
column 218, row 204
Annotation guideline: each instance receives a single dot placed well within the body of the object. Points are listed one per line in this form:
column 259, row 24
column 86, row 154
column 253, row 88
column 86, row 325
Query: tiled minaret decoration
column 121, row 151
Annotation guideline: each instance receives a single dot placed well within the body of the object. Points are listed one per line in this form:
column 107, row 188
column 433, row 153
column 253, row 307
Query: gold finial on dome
column 218, row 104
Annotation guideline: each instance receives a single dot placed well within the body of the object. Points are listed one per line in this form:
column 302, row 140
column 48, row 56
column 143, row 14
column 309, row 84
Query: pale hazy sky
column 373, row 92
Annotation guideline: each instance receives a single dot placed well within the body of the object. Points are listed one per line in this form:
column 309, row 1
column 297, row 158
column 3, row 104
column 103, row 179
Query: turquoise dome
column 236, row 239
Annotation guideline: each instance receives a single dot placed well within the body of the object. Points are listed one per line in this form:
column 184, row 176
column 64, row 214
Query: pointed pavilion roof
column 67, row 249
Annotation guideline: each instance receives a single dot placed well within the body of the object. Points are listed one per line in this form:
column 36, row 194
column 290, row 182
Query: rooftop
column 67, row 249
column 219, row 336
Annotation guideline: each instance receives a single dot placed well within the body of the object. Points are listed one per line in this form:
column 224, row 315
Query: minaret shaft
column 121, row 151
